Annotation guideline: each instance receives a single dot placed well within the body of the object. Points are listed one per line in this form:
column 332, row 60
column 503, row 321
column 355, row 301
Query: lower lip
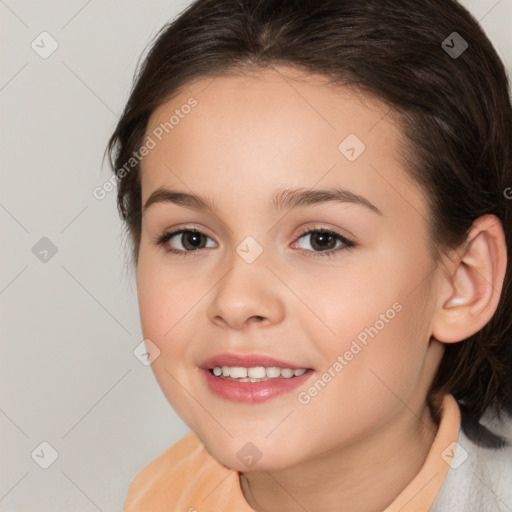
column 253, row 392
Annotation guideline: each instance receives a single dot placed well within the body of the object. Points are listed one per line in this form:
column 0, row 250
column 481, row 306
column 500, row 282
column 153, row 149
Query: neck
column 363, row 477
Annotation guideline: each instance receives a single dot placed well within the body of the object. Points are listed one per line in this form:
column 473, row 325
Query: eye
column 326, row 242
column 190, row 239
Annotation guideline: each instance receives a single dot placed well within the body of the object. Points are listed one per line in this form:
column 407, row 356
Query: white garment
column 483, row 481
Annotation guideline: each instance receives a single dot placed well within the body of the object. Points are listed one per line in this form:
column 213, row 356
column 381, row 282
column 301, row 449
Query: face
column 336, row 289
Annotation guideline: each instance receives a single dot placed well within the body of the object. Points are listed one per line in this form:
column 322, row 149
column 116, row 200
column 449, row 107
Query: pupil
column 323, row 239
column 194, row 237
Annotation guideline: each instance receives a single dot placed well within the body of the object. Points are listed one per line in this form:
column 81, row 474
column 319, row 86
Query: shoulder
column 162, row 481
column 184, row 477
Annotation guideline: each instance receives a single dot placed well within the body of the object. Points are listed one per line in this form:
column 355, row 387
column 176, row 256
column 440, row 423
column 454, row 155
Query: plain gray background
column 70, row 320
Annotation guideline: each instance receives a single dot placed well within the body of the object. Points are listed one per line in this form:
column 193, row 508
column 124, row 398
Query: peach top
column 187, row 478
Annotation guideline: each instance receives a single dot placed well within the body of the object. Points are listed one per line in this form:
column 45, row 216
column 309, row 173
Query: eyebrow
column 288, row 198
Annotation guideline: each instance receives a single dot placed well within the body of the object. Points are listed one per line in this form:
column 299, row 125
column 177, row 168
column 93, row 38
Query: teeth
column 273, row 372
column 238, row 372
column 256, row 373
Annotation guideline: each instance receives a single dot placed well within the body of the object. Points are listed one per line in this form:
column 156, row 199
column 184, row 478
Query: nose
column 246, row 294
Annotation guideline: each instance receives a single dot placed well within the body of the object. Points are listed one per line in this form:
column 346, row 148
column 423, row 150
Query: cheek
column 166, row 311
column 378, row 316
column 369, row 377
column 165, row 308
column 163, row 297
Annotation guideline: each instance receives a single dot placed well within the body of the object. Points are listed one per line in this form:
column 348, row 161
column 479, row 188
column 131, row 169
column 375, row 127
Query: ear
column 471, row 286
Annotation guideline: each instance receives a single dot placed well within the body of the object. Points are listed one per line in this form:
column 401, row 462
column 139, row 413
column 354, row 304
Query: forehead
column 250, row 134
column 268, row 103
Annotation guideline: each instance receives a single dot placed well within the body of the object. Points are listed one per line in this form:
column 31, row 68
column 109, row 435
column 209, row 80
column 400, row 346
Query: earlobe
column 472, row 288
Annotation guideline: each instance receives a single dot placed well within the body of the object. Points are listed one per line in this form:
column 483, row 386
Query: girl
column 318, row 200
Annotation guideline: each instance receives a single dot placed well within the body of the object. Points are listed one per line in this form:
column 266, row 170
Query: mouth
column 252, row 378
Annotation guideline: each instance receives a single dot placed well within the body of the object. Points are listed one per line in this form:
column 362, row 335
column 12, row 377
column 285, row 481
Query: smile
column 252, row 378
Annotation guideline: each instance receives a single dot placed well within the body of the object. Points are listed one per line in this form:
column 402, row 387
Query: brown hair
column 454, row 109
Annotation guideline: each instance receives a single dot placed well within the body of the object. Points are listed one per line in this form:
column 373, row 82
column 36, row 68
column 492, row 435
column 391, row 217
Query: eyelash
column 161, row 240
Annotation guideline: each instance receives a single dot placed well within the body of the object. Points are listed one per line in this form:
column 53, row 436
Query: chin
column 257, row 455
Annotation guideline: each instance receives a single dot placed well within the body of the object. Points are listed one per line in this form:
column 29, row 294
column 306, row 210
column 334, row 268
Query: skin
column 364, row 437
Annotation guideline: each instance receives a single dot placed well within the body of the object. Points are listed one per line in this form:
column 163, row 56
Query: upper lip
column 247, row 361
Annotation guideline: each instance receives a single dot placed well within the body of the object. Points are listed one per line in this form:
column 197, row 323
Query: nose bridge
column 244, row 292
